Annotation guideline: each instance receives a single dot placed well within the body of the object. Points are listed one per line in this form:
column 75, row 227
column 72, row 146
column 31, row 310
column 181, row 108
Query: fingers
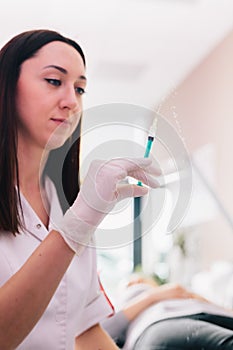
column 130, row 164
column 139, row 168
column 119, row 168
column 104, row 178
column 143, row 176
column 125, row 191
column 153, row 170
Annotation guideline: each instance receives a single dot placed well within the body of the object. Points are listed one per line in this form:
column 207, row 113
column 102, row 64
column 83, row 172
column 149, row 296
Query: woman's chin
column 57, row 139
column 54, row 143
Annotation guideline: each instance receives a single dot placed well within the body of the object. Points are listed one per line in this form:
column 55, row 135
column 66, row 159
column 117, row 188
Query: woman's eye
column 80, row 90
column 55, row 82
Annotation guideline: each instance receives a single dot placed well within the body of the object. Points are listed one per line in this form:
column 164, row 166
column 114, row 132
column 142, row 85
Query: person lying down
column 168, row 317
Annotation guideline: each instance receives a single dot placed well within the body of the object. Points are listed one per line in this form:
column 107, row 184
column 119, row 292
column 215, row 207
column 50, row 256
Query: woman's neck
column 31, row 166
column 31, row 163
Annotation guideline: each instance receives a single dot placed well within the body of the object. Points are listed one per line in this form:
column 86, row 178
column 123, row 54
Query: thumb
column 130, row 190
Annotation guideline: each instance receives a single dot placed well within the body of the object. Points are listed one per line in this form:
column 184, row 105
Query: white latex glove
column 100, row 191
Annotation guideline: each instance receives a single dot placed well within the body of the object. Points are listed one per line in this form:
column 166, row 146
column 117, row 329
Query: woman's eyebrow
column 64, row 71
column 61, row 69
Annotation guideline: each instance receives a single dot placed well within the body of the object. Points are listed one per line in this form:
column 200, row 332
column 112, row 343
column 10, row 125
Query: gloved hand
column 100, row 191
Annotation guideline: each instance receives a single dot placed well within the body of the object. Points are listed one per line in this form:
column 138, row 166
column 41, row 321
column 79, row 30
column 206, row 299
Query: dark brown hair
column 12, row 55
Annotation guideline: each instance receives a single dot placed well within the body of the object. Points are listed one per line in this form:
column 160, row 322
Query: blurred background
column 173, row 57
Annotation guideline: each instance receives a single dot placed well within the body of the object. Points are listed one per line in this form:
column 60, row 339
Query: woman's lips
column 60, row 121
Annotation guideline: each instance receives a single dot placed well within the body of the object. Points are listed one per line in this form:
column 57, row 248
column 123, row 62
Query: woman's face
column 49, row 96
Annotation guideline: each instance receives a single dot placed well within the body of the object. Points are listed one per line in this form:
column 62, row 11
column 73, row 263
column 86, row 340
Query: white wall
column 204, row 107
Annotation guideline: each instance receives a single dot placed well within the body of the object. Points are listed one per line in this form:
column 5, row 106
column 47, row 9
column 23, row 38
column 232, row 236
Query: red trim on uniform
column 107, row 298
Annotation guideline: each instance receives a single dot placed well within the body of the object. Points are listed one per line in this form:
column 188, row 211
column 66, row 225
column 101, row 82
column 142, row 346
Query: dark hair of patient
column 65, row 175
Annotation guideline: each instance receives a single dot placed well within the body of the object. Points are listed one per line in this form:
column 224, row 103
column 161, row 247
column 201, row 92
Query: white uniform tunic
column 78, row 302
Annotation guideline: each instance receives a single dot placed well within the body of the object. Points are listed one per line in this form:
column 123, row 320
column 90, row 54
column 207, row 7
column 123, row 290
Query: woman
column 50, row 296
column 168, row 317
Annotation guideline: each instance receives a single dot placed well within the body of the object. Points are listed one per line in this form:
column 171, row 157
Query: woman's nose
column 70, row 100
